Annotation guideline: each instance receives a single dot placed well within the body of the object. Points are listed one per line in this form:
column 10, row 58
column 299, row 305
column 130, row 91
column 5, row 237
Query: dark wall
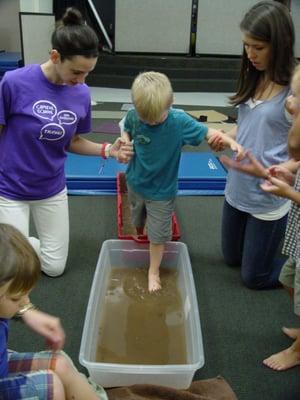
column 105, row 9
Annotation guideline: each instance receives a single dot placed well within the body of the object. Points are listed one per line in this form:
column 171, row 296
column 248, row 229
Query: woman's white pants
column 51, row 219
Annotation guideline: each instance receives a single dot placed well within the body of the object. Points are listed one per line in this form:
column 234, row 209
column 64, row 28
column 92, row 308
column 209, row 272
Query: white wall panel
column 36, row 30
column 218, row 26
column 153, row 26
column 40, row 6
column 9, row 25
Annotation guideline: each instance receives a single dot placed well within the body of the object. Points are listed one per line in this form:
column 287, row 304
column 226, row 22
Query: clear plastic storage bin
column 127, row 253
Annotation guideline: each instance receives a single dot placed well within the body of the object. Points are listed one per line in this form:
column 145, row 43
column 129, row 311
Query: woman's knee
column 231, row 254
column 252, row 281
column 53, row 262
column 53, row 266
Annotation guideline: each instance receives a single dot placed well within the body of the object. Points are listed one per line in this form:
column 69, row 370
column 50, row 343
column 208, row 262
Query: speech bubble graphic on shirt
column 45, row 109
column 66, row 117
column 52, row 132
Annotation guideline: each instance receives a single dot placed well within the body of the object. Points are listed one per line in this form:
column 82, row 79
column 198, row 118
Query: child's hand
column 122, row 150
column 276, row 186
column 282, row 173
column 46, row 325
column 252, row 167
column 216, row 141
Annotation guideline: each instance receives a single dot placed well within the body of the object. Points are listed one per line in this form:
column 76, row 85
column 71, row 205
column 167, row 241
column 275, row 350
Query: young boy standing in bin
column 159, row 132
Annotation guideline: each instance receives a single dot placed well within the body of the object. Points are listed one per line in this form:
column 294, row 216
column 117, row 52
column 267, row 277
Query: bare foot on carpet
column 283, row 360
column 293, row 333
column 154, row 283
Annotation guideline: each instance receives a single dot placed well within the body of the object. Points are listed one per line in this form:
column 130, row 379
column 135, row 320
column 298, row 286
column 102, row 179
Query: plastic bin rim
column 171, row 243
column 142, row 368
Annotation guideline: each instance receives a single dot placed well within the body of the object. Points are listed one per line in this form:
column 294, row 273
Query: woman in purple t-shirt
column 44, row 109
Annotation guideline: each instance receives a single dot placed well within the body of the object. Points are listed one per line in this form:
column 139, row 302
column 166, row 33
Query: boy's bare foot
column 293, row 333
column 154, row 283
column 283, row 360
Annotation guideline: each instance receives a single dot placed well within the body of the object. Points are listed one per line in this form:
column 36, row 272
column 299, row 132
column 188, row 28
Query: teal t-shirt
column 153, row 170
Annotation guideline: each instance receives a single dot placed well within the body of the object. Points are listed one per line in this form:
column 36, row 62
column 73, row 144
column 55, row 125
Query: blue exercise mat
column 92, row 168
column 11, row 59
column 201, row 166
column 199, row 173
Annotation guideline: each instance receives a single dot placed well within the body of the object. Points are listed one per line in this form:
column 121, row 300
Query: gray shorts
column 290, row 277
column 158, row 214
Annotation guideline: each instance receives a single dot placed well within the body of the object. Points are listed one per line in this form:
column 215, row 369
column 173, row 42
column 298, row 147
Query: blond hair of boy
column 152, row 95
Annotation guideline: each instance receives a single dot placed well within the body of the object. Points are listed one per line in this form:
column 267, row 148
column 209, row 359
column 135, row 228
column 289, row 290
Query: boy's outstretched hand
column 251, row 166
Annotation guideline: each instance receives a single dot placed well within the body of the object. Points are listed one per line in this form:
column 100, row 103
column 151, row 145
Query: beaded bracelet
column 27, row 307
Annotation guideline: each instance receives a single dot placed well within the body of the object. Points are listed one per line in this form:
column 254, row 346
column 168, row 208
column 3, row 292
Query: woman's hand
column 251, row 167
column 47, row 326
column 122, row 150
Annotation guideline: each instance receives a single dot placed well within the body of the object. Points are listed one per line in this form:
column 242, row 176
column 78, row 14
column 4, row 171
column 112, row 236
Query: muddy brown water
column 138, row 327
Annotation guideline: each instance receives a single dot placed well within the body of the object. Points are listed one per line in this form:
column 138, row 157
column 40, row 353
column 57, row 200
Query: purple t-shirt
column 40, row 118
column 3, row 347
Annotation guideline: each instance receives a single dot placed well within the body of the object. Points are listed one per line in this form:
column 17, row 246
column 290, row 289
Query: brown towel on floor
column 208, row 389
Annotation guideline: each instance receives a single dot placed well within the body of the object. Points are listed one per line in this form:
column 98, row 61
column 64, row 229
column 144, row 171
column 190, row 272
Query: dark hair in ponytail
column 73, row 37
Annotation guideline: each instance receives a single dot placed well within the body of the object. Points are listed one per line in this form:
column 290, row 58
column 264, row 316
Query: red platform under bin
column 121, row 191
